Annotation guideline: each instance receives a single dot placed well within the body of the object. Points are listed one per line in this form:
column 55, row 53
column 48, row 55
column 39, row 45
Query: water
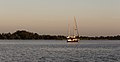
column 59, row 51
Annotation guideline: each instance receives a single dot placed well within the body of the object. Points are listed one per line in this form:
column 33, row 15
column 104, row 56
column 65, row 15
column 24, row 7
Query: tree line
column 100, row 38
column 25, row 35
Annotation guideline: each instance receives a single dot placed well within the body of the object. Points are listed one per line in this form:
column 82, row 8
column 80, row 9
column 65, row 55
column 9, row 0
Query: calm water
column 59, row 51
column 59, row 42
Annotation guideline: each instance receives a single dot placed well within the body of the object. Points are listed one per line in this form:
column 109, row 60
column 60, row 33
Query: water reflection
column 59, row 42
column 72, row 43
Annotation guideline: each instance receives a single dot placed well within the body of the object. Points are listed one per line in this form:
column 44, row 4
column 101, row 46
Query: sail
column 69, row 30
column 76, row 33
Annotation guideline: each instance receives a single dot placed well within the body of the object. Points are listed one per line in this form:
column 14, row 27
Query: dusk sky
column 94, row 17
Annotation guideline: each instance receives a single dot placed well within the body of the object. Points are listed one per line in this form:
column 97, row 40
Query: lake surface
column 59, row 51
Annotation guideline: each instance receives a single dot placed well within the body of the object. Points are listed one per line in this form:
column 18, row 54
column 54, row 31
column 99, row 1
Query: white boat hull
column 70, row 39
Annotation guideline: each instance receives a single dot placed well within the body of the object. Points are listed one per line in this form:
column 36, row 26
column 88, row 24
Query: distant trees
column 25, row 35
column 100, row 38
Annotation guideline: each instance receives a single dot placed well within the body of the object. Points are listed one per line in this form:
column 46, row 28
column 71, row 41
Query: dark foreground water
column 59, row 51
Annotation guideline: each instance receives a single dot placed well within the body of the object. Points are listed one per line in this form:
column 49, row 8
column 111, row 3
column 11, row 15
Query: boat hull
column 72, row 40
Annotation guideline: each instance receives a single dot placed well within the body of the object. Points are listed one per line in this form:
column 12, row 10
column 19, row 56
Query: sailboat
column 75, row 36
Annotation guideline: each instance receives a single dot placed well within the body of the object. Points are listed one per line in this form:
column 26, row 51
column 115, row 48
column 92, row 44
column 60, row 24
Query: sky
column 94, row 17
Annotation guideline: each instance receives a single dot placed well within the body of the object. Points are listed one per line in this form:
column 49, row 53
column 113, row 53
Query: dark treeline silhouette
column 101, row 38
column 25, row 35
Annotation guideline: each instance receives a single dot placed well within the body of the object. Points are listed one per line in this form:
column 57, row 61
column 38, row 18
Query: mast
column 69, row 30
column 75, row 28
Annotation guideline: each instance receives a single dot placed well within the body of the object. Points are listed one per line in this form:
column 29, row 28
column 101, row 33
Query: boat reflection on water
column 72, row 43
